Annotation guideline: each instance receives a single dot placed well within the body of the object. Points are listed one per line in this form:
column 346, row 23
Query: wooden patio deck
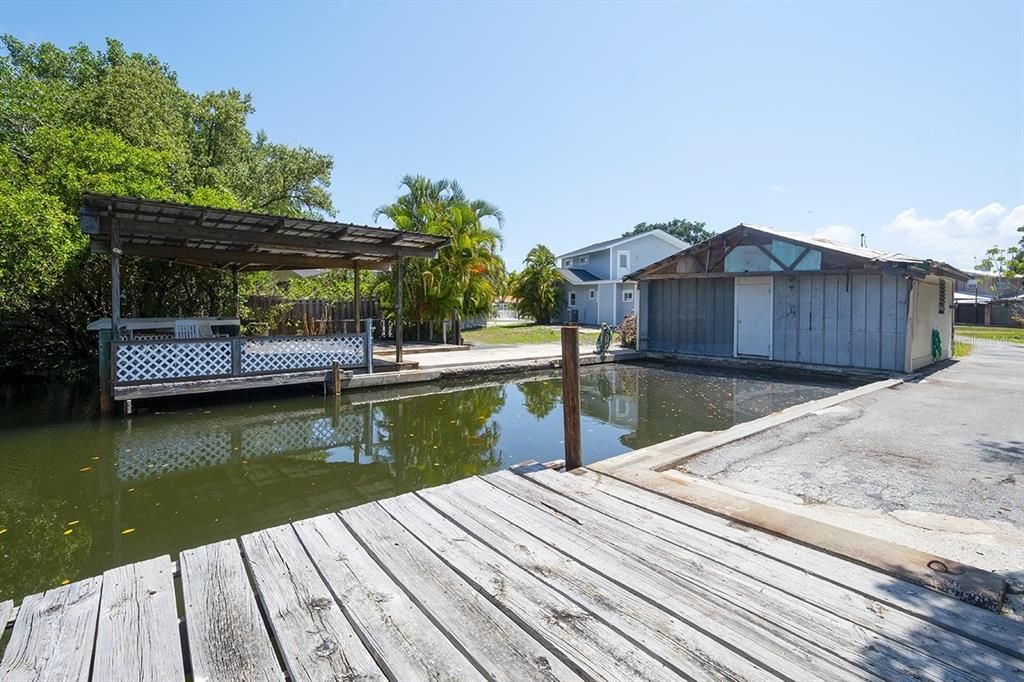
column 510, row 576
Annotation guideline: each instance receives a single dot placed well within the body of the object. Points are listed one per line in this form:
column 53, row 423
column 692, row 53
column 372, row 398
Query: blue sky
column 901, row 121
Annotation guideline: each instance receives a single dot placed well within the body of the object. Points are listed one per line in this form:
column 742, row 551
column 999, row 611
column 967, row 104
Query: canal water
column 79, row 494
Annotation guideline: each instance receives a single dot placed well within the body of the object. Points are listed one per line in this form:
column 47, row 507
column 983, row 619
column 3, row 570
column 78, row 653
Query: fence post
column 368, row 345
column 571, row 397
column 236, row 356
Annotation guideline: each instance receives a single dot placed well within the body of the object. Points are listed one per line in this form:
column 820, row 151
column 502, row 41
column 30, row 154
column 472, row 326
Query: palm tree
column 460, row 281
column 538, row 286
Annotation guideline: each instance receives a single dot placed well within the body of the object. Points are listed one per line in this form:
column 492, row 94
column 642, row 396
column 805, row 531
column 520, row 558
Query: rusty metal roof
column 219, row 238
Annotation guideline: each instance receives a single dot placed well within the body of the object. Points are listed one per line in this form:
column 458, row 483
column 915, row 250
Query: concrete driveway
column 936, row 464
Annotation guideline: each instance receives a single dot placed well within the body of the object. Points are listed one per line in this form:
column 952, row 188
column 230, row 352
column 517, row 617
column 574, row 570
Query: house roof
column 861, row 252
column 660, row 234
column 218, row 238
column 578, row 275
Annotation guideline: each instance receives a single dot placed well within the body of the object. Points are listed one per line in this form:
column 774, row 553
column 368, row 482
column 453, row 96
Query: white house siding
column 587, row 308
column 926, row 318
column 642, row 252
column 597, row 263
column 625, row 308
column 855, row 321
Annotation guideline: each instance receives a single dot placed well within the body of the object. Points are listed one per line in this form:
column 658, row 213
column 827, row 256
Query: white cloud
column 838, row 233
column 959, row 236
column 779, row 189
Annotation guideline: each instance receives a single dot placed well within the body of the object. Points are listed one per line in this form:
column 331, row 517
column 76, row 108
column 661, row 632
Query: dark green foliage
column 119, row 123
column 689, row 231
column 538, row 287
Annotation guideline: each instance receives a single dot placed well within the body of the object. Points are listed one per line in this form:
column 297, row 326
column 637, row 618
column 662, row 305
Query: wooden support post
column 571, row 397
column 115, row 281
column 106, row 373
column 368, row 344
column 336, row 377
column 357, row 296
column 234, row 290
column 398, row 310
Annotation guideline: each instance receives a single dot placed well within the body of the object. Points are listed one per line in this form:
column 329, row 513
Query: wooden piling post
column 336, row 377
column 571, row 397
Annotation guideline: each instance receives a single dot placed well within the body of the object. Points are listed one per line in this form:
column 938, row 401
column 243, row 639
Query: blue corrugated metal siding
column 689, row 316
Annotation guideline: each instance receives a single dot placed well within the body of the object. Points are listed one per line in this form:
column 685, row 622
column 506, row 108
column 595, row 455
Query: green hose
column 604, row 340
column 936, row 345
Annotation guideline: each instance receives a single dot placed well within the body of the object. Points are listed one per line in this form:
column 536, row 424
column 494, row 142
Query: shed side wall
column 689, row 316
column 856, row 320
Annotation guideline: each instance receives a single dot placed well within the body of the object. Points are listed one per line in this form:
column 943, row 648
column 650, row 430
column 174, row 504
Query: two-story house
column 594, row 290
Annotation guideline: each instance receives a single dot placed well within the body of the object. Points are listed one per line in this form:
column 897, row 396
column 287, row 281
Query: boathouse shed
column 756, row 292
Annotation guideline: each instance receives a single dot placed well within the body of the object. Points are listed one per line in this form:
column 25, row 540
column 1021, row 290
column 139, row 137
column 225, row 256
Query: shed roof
column 860, row 252
column 218, row 238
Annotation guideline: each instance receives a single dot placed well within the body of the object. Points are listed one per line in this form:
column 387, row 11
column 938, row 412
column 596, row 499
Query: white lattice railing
column 289, row 353
column 136, row 361
column 162, row 360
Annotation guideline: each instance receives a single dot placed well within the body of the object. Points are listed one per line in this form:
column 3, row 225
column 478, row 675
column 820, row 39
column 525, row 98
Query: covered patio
column 140, row 357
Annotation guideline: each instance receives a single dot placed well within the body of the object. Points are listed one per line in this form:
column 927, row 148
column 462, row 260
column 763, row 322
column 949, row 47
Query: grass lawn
column 961, row 349
column 1013, row 335
column 519, row 334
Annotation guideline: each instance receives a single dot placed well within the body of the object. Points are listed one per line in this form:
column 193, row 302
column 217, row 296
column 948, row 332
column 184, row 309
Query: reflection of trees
column 541, row 397
column 35, row 554
column 441, row 438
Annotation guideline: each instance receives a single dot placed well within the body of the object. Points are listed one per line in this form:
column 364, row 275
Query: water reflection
column 161, row 482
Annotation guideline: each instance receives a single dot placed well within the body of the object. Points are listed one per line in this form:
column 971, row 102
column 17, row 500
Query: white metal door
column 754, row 316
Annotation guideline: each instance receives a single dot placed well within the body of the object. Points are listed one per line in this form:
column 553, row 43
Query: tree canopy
column 115, row 122
column 1005, row 262
column 538, row 286
column 689, row 231
column 465, row 277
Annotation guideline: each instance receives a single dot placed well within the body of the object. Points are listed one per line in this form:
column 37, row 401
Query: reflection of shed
column 756, row 292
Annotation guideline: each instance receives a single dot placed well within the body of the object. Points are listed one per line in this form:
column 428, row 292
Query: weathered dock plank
column 658, row 575
column 137, row 635
column 501, row 649
column 400, row 637
column 976, row 624
column 582, row 640
column 227, row 639
column 6, row 611
column 931, row 648
column 861, row 647
column 315, row 639
column 53, row 635
column 678, row 644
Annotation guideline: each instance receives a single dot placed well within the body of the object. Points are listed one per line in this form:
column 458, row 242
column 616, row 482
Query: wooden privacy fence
column 310, row 316
column 139, row 362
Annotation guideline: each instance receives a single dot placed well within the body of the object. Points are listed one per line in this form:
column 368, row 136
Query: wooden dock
column 513, row 576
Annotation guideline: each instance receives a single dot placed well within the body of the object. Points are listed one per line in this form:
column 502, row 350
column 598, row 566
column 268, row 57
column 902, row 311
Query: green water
column 180, row 476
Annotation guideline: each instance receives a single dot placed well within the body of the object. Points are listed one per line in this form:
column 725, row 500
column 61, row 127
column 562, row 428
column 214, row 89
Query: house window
column 583, row 260
column 627, row 295
column 592, row 294
column 623, row 260
column 572, row 298
column 942, row 297
column 567, row 262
